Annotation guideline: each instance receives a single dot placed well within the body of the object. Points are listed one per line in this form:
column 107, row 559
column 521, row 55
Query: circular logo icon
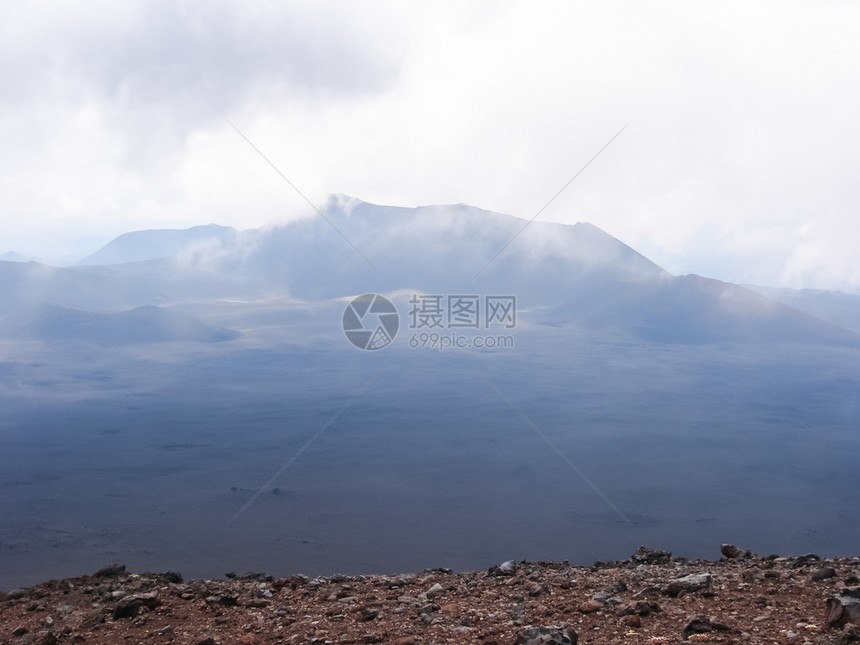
column 370, row 321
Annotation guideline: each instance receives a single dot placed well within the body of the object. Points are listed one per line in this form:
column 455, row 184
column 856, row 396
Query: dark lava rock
column 703, row 625
column 130, row 605
column 170, row 576
column 548, row 636
column 110, row 571
column 638, row 608
column 730, row 551
column 297, row 580
column 223, row 600
column 646, row 555
column 824, row 573
column 843, row 609
column 806, row 560
column 92, row 618
column 850, row 635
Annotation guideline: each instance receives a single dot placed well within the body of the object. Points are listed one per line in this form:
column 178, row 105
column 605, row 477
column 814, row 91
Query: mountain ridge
column 146, row 324
column 575, row 274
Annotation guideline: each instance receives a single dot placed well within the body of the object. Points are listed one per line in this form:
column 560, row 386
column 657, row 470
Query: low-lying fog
column 143, row 454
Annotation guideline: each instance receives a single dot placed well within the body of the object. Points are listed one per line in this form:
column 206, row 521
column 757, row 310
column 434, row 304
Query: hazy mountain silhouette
column 575, row 274
column 11, row 256
column 153, row 244
column 842, row 309
column 148, row 324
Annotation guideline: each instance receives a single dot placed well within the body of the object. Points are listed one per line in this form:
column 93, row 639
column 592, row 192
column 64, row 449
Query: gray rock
column 507, row 568
column 548, row 636
column 689, row 584
column 703, row 625
column 824, row 573
column 46, row 638
column 130, row 605
column 730, row 551
column 843, row 609
column 646, row 555
column 606, row 598
column 806, row 560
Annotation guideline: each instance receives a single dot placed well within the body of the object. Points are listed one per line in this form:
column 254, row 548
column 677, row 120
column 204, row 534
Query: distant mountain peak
column 11, row 256
column 153, row 244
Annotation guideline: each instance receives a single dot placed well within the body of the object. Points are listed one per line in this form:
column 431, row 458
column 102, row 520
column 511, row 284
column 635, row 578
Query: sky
column 739, row 159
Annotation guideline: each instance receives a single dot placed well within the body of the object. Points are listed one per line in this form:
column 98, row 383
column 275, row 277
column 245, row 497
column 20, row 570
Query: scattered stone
column 843, row 609
column 129, row 606
column 606, row 598
column 507, row 568
column 703, row 625
column 547, row 636
column 297, row 581
column 646, row 555
column 92, row 618
column 631, row 620
column 638, row 607
column 536, row 590
column 588, row 607
column 650, row 590
column 15, row 594
column 806, row 560
column 688, row 584
column 224, row 600
column 850, row 635
column 170, row 577
column 730, row 551
column 110, row 571
column 824, row 573
column 776, row 601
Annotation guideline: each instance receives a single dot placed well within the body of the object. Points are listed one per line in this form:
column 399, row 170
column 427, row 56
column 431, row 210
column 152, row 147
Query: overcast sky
column 740, row 161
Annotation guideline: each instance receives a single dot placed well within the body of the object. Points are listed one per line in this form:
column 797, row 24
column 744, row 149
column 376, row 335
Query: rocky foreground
column 650, row 598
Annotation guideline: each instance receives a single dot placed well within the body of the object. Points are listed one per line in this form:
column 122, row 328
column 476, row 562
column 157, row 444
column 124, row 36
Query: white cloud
column 743, row 129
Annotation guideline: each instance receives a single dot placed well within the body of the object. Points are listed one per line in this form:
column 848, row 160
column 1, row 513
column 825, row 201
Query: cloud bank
column 739, row 161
